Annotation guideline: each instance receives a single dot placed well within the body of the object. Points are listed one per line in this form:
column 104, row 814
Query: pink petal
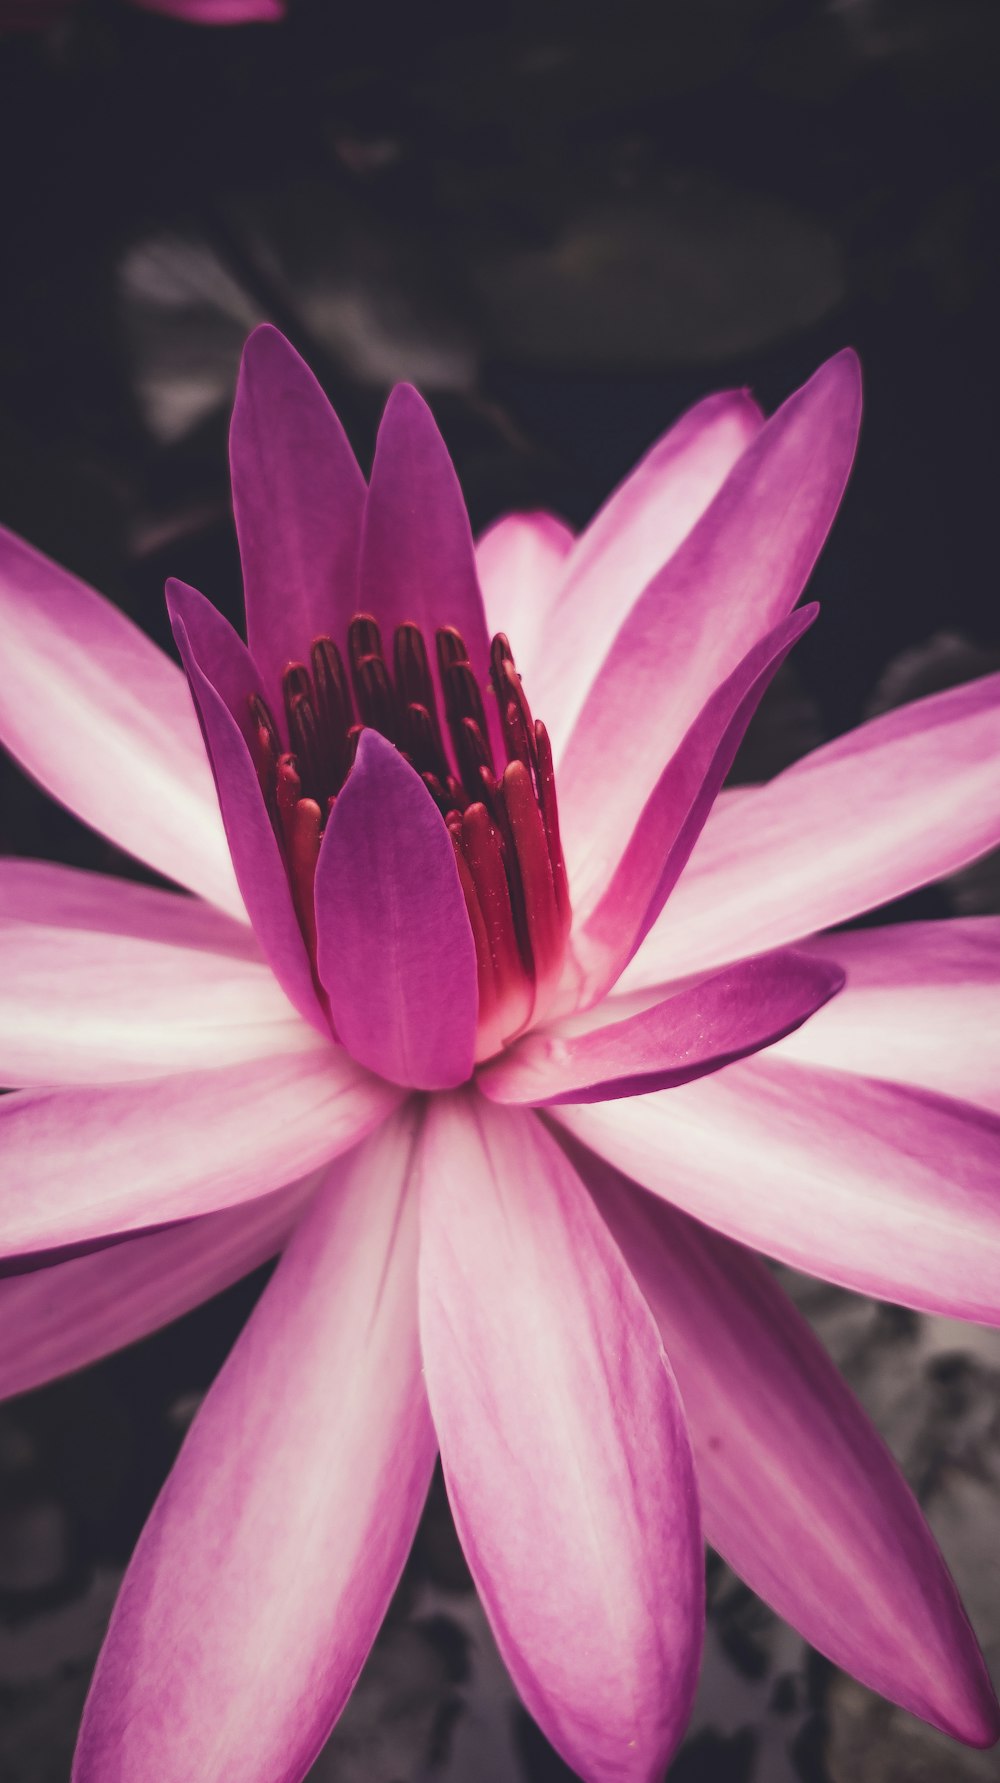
column 395, row 948
column 68, row 1315
column 84, row 1006
column 222, row 677
column 299, row 498
column 799, row 1493
column 59, row 897
column 266, row 1567
column 86, row 1163
column 562, row 1440
column 901, row 800
column 694, row 1031
column 103, row 720
column 675, row 812
column 218, row 12
column 417, row 557
column 520, row 561
column 635, row 533
column 738, row 573
column 921, row 1006
column 872, row 1185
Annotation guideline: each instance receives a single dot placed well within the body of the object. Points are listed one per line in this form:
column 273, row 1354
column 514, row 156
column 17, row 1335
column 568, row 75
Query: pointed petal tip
column 265, row 338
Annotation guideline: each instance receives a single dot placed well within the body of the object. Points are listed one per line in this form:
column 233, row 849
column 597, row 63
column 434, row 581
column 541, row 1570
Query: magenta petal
column 103, row 720
column 696, row 1030
column 58, row 897
column 901, row 800
column 676, row 810
column 299, row 498
column 222, row 677
column 417, row 558
column 260, row 1580
column 637, row 531
column 395, row 949
column 86, row 1163
column 562, row 1441
column 69, row 1314
column 798, row 1492
column 872, row 1185
column 737, row 574
column 520, row 560
column 921, row 1006
column 85, row 1006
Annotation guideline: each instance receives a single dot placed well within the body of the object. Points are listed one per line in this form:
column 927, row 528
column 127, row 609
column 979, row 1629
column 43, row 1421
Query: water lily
column 453, row 984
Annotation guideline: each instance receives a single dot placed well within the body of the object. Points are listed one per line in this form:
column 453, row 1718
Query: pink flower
column 468, row 1262
column 35, row 15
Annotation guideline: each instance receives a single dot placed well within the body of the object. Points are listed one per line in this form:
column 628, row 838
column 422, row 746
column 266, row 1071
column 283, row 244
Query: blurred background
column 565, row 222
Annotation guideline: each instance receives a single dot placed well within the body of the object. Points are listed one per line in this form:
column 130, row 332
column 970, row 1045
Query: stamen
column 504, row 827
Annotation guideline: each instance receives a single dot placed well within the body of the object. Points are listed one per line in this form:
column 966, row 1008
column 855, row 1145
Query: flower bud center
column 502, row 816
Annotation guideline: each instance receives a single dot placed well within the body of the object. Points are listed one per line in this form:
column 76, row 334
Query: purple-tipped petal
column 86, row 1163
column 102, row 719
column 898, row 801
column 677, row 808
column 689, row 1034
column 82, row 1006
column 921, row 1006
column 417, row 558
column 395, row 949
column 299, row 498
column 798, row 1492
column 635, row 533
column 70, row 1314
column 872, row 1185
column 222, row 678
column 58, row 897
column 520, row 560
column 562, row 1441
column 737, row 574
column 260, row 1580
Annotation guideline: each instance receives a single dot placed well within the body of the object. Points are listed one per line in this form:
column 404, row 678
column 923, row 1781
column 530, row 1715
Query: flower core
column 502, row 818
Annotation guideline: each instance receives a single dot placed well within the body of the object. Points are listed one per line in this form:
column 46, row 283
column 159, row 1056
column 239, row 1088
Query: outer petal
column 82, row 1164
column 689, row 1034
column 395, row 948
column 417, row 557
column 81, row 1006
column 520, row 561
column 562, row 1440
column 265, row 1569
column 799, row 1493
column 222, row 677
column 921, row 1006
column 672, row 819
column 57, row 897
column 635, row 533
column 96, row 713
column 299, row 498
column 60, row 1318
column 911, row 795
column 872, row 1185
column 739, row 571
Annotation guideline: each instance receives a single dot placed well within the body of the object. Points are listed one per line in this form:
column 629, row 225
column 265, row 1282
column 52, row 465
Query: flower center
column 502, row 818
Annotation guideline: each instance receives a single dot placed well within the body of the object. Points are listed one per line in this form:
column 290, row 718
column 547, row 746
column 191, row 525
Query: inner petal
column 502, row 815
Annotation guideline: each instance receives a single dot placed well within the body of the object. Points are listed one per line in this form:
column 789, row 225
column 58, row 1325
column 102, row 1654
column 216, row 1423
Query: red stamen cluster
column 504, row 826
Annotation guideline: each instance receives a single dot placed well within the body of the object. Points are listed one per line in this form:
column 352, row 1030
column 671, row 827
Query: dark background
column 564, row 223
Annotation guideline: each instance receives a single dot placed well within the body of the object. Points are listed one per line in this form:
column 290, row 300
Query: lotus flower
column 459, row 1030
